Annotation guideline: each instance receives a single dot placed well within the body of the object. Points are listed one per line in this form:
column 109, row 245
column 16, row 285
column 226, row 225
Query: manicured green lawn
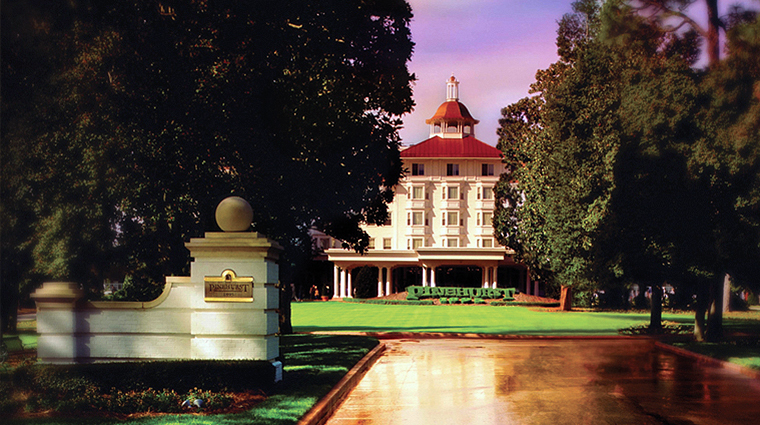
column 336, row 316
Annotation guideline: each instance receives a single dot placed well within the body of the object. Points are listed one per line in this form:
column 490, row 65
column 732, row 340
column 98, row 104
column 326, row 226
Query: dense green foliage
column 629, row 165
column 388, row 302
column 124, row 124
column 132, row 387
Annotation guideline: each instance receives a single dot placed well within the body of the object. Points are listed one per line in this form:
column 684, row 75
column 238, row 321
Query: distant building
column 110, row 288
column 440, row 231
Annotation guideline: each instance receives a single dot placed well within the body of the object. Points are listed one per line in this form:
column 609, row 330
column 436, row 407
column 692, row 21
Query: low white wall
column 180, row 323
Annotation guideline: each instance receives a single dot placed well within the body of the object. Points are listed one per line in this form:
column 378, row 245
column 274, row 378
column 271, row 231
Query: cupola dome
column 452, row 119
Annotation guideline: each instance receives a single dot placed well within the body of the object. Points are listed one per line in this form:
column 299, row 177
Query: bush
column 132, row 387
column 389, row 302
column 365, row 284
column 523, row 304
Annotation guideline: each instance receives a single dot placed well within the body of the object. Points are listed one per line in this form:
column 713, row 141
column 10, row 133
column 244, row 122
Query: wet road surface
column 472, row 381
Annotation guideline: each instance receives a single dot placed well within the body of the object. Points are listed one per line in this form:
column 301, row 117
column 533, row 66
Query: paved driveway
column 581, row 381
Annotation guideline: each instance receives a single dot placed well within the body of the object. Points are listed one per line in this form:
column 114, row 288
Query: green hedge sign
column 417, row 292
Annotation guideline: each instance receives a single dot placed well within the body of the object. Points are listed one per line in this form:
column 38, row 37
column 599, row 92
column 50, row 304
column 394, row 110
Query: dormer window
column 452, row 169
column 467, row 130
column 418, row 169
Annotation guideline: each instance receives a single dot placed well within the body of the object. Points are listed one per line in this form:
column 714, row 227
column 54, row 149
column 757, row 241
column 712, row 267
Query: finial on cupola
column 452, row 88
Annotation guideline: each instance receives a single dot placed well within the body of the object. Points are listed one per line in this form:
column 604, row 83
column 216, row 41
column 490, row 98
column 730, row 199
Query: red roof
column 452, row 111
column 438, row 147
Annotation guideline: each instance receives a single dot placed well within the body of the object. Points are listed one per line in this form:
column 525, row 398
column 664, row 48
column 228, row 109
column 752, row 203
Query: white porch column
column 349, row 289
column 336, row 278
column 342, row 283
column 380, row 285
column 424, row 275
column 432, row 276
column 388, row 278
column 484, row 276
column 535, row 287
column 495, row 277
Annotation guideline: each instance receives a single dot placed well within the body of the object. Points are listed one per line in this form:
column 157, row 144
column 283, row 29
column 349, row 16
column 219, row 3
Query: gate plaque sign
column 228, row 288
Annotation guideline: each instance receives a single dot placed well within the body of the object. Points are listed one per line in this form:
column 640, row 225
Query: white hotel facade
column 440, row 219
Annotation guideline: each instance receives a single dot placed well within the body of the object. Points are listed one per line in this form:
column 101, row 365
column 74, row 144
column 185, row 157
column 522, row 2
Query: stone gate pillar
column 228, row 322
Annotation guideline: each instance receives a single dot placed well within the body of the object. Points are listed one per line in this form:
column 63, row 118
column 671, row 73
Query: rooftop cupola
column 452, row 89
column 452, row 120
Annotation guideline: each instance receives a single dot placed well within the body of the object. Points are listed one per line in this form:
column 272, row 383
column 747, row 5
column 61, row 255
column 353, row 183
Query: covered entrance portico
column 429, row 261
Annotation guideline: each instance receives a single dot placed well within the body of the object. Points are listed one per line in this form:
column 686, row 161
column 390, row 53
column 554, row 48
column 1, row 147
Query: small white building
column 440, row 231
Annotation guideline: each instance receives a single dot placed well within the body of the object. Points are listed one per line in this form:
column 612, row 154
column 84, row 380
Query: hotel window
column 386, row 243
column 452, row 218
column 417, row 218
column 487, row 193
column 418, row 169
column 388, row 221
column 452, row 169
column 452, row 192
column 487, row 243
column 417, row 243
column 452, row 243
column 371, row 243
column 418, row 192
column 487, row 170
column 487, row 219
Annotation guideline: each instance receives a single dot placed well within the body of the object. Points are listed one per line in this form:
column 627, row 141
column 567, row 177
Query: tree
column 656, row 204
column 557, row 146
column 720, row 187
column 726, row 159
column 296, row 108
column 662, row 200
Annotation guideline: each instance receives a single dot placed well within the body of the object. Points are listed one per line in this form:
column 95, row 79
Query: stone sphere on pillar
column 234, row 214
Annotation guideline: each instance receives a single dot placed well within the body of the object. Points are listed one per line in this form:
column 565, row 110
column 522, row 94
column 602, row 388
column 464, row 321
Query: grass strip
column 743, row 352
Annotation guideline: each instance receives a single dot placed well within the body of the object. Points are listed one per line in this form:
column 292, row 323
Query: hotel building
column 440, row 231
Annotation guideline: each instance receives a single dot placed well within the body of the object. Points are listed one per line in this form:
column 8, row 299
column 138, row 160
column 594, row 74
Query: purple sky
column 493, row 47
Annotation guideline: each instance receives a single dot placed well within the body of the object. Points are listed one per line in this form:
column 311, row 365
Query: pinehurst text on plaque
column 229, row 288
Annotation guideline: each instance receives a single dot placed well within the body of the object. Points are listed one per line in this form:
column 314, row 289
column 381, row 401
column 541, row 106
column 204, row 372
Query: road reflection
column 546, row 381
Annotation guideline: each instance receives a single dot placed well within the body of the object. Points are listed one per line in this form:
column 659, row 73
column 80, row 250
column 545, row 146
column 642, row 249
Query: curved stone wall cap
column 133, row 305
column 234, row 214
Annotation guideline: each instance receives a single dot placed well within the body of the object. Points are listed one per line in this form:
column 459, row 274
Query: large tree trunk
column 8, row 307
column 703, row 300
column 713, row 32
column 286, row 326
column 715, row 311
column 727, row 293
column 566, row 298
column 655, row 317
